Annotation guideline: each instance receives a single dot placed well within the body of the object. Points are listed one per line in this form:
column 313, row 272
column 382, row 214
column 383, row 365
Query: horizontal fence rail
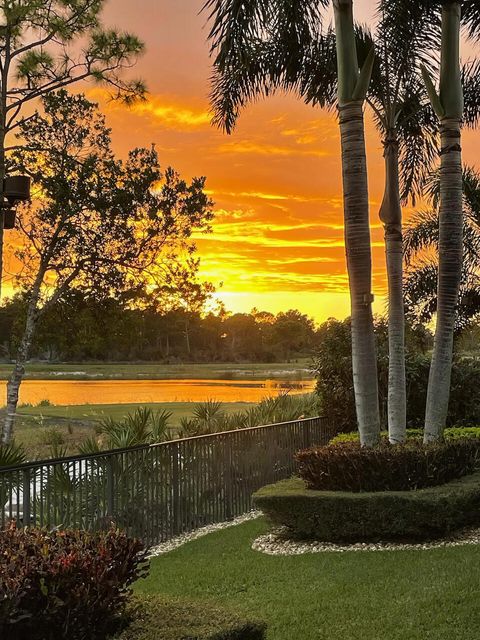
column 159, row 491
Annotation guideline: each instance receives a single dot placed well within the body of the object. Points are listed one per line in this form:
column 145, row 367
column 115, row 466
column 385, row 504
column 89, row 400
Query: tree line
column 80, row 328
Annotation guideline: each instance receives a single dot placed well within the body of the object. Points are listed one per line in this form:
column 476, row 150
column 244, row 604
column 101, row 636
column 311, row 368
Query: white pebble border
column 179, row 541
column 275, row 544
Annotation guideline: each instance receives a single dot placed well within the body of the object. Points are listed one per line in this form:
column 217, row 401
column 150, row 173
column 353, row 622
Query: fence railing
column 159, row 491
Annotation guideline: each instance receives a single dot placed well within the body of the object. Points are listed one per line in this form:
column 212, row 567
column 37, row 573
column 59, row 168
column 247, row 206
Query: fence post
column 227, row 479
column 175, row 489
column 110, row 488
column 307, row 434
column 26, row 498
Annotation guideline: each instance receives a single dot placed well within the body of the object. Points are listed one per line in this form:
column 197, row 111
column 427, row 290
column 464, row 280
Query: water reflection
column 68, row 392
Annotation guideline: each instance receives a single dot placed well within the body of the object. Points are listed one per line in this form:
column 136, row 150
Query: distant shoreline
column 156, row 371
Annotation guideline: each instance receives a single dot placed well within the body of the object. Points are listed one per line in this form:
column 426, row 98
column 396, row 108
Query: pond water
column 72, row 392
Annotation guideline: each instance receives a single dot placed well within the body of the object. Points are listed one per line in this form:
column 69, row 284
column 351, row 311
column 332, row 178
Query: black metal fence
column 159, row 491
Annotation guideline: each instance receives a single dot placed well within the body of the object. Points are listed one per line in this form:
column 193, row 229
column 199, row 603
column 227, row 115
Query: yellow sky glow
column 277, row 239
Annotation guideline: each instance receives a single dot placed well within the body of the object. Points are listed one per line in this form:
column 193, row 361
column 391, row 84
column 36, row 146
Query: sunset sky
column 278, row 235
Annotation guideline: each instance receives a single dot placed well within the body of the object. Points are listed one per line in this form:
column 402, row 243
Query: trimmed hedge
column 160, row 618
column 451, row 433
column 406, row 467
column 334, row 516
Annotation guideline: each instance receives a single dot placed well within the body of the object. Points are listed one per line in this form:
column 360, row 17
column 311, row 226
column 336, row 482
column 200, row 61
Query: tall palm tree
column 351, row 93
column 257, row 47
column 448, row 105
column 402, row 114
column 421, row 255
column 408, row 130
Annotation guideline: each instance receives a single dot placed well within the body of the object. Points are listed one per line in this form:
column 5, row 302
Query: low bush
column 350, row 467
column 168, row 619
column 51, row 436
column 335, row 516
column 65, row 584
column 451, row 433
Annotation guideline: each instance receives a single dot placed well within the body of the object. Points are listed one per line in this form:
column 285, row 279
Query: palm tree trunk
column 450, row 111
column 352, row 88
column 391, row 216
column 359, row 264
column 449, row 276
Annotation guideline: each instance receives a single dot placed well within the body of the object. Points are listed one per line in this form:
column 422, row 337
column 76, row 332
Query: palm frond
column 421, row 270
column 236, row 23
column 420, row 234
column 471, row 192
column 471, row 92
column 471, row 17
column 411, row 32
column 266, row 66
column 417, row 129
column 12, row 454
column 420, row 290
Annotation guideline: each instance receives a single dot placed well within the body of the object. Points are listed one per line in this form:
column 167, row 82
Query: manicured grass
column 77, row 422
column 156, row 371
column 390, row 595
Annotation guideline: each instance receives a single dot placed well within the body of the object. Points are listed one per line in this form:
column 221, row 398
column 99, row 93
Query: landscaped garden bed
column 341, row 516
column 349, row 493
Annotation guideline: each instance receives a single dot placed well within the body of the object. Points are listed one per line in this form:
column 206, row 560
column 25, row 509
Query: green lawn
column 155, row 371
column 401, row 595
column 97, row 412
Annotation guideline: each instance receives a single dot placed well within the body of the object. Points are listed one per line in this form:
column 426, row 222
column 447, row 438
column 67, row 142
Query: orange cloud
column 261, row 148
column 277, row 239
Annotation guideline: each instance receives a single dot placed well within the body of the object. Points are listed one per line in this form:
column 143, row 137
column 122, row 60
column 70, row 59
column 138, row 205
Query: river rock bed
column 177, row 542
column 276, row 544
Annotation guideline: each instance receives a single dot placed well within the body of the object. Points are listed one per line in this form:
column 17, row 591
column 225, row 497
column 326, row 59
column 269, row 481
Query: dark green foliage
column 335, row 516
column 154, row 618
column 65, row 584
column 451, row 433
column 351, row 467
column 83, row 327
column 210, row 416
column 139, row 428
column 11, row 454
column 333, row 365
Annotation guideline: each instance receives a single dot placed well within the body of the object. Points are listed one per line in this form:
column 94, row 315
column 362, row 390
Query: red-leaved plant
column 65, row 584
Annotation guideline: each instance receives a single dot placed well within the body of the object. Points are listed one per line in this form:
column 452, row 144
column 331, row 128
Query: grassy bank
column 37, row 427
column 155, row 371
column 414, row 595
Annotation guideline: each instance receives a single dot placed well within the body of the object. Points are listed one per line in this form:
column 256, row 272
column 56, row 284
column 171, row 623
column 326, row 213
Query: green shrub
column 334, row 516
column 333, row 365
column 210, row 417
column 351, row 467
column 12, row 454
column 45, row 403
column 451, row 433
column 167, row 619
column 139, row 428
column 51, row 436
column 64, row 584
